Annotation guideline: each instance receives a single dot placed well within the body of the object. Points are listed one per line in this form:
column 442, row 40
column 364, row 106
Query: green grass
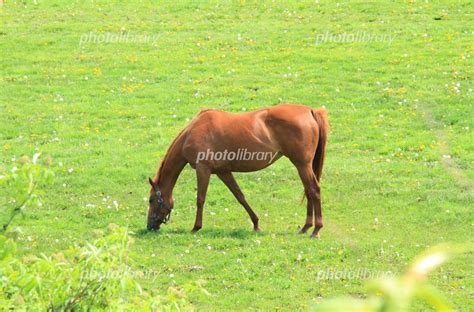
column 107, row 112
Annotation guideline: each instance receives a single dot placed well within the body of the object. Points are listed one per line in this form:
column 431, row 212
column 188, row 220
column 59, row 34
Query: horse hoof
column 258, row 230
column 315, row 236
column 304, row 229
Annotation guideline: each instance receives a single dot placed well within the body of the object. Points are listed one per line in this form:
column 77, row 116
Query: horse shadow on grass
column 210, row 232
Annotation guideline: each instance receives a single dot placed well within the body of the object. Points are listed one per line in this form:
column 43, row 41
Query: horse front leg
column 203, row 175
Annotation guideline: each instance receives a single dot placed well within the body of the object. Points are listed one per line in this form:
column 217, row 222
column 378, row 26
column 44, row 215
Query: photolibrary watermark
column 120, row 38
column 240, row 154
column 360, row 36
column 350, row 274
column 119, row 274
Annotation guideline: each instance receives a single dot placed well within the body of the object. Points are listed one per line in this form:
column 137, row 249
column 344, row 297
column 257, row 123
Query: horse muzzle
column 153, row 226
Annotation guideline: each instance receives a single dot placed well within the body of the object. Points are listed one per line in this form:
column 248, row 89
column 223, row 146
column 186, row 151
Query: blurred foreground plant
column 396, row 294
column 23, row 183
column 96, row 276
column 90, row 276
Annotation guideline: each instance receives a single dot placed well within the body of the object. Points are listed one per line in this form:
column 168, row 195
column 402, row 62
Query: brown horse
column 218, row 142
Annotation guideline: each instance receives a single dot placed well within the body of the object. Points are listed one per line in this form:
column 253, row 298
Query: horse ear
column 152, row 183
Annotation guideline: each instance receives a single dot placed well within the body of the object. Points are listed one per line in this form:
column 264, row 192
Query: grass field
column 399, row 163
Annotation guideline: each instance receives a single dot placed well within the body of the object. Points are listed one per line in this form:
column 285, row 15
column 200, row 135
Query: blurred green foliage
column 23, row 181
column 86, row 276
column 396, row 294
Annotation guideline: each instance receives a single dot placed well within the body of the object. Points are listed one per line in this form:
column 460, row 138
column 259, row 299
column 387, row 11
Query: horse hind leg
column 313, row 195
column 229, row 181
column 309, row 216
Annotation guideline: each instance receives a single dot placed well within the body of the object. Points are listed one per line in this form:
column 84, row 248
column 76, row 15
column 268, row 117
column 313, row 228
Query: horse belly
column 249, row 161
column 244, row 159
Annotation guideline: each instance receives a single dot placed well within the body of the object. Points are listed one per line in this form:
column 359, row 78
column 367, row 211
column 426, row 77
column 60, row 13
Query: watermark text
column 350, row 274
column 120, row 38
column 360, row 36
column 239, row 155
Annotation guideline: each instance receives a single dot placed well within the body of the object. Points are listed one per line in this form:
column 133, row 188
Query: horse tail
column 320, row 115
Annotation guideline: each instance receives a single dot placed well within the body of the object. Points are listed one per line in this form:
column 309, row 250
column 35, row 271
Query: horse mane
column 170, row 148
column 165, row 157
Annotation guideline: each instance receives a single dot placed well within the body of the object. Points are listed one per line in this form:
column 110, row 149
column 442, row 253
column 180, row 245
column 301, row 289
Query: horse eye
column 150, row 200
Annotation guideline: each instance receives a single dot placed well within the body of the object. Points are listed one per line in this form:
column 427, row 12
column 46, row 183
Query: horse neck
column 171, row 167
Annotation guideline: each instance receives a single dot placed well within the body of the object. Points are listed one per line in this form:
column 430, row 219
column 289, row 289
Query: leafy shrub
column 91, row 276
column 24, row 183
column 94, row 276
